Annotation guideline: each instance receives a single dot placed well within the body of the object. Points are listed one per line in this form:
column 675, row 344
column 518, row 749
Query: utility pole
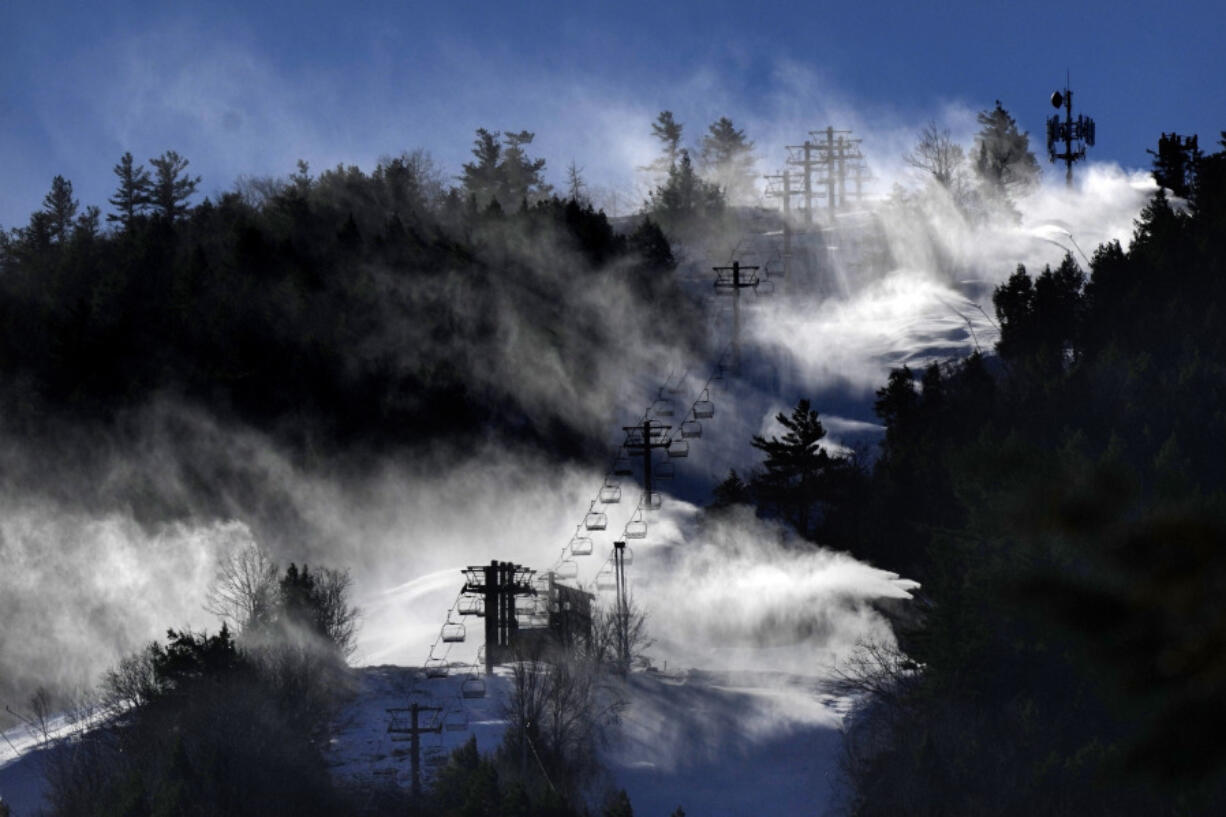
column 623, row 606
column 414, row 730
column 499, row 583
column 640, row 440
column 1079, row 132
column 730, row 281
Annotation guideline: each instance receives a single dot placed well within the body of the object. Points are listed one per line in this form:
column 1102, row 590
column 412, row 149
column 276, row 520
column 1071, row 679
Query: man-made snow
column 715, row 743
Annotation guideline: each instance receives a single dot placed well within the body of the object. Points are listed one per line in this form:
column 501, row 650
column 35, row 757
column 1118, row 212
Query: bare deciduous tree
column 937, row 154
column 244, row 589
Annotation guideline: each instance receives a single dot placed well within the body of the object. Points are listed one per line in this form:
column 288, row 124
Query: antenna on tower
column 1076, row 134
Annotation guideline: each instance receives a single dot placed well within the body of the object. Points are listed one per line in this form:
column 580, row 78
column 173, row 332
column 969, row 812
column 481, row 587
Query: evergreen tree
column 61, row 209
column 1175, row 163
column 727, row 159
column 685, row 198
column 1003, row 161
column 794, row 464
column 668, row 131
column 503, row 173
column 522, row 176
column 132, row 196
column 171, row 188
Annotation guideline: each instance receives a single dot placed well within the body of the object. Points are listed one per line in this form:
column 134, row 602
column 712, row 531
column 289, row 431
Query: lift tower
column 802, row 156
column 414, row 730
column 499, row 583
column 784, row 191
column 730, row 281
column 623, row 605
column 1076, row 134
column 640, row 440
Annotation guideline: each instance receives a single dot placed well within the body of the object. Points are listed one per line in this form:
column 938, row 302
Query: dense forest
column 1062, row 501
column 1063, row 504
column 340, row 310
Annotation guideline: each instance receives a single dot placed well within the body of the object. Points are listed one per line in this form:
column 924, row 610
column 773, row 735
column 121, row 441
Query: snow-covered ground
column 726, row 743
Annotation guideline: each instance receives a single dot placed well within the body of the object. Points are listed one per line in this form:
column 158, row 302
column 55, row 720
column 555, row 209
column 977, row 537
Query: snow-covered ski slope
column 717, row 743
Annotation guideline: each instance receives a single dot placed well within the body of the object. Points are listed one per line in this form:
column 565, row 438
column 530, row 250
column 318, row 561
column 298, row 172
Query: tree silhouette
column 61, row 208
column 668, row 131
column 132, row 196
column 727, row 159
column 794, row 465
column 171, row 187
column 1003, row 161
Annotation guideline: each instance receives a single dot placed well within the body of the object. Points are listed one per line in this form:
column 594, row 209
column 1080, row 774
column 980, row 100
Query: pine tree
column 1003, row 161
column 794, row 463
column 1175, row 163
column 668, row 131
column 685, row 197
column 171, row 188
column 61, row 208
column 503, row 172
column 727, row 159
column 132, row 197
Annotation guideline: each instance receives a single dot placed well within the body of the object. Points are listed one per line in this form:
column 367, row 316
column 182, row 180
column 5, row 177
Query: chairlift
column 595, row 520
column 611, row 491
column 691, row 429
column 663, row 470
column 470, row 605
column 621, row 467
column 456, row 721
column 662, row 408
column 679, row 448
column 567, row 569
column 636, row 528
column 453, row 632
column 651, row 501
column 606, row 579
column 473, row 687
column 666, row 391
column 765, row 286
column 436, row 668
column 704, row 408
column 627, row 556
column 582, row 545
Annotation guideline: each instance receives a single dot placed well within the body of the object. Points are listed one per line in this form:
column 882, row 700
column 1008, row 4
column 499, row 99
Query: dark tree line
column 1063, row 504
column 346, row 308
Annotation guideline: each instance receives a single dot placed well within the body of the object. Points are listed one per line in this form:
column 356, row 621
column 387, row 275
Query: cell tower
column 1076, row 134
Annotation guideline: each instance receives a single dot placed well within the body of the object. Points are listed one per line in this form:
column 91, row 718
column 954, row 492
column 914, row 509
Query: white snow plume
column 77, row 590
column 733, row 592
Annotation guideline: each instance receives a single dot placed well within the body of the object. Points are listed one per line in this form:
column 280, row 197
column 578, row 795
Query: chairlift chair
column 691, row 429
column 473, row 687
column 436, row 668
column 470, row 605
column 663, row 408
column 611, row 491
column 679, row 448
column 621, row 467
column 595, row 520
column 651, row 501
column 453, row 632
column 567, row 569
column 765, row 286
column 627, row 556
column 704, row 408
column 582, row 545
column 456, row 721
column 606, row 579
column 636, row 528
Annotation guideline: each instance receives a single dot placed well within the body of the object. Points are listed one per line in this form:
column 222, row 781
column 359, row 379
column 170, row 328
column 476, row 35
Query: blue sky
column 248, row 88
